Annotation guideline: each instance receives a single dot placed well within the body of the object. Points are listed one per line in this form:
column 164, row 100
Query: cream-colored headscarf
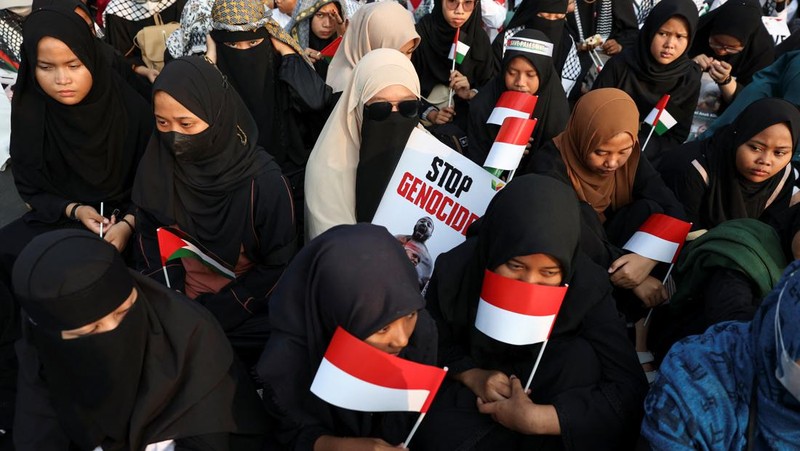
column 330, row 186
column 381, row 25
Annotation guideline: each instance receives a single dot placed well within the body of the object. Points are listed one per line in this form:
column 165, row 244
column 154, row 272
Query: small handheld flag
column 660, row 238
column 330, row 49
column 512, row 104
column 509, row 146
column 174, row 244
column 659, row 118
column 458, row 51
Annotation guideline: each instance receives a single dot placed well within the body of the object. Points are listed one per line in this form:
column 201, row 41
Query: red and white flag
column 517, row 312
column 660, row 238
column 512, row 104
column 356, row 376
column 509, row 146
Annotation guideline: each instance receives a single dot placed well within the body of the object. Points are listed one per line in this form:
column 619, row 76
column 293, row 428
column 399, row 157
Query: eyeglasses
column 724, row 48
column 466, row 5
column 380, row 111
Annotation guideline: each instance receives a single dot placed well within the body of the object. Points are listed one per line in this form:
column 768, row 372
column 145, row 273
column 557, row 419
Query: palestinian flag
column 458, row 50
column 174, row 244
column 330, row 49
column 660, row 238
column 660, row 117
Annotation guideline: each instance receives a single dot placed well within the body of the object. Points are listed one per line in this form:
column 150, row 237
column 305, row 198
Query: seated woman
column 657, row 65
column 356, row 277
column 374, row 26
column 204, row 174
column 438, row 30
column 112, row 360
column 315, row 25
column 732, row 44
column 528, row 71
column 588, row 389
column 356, row 154
column 77, row 134
column 756, row 368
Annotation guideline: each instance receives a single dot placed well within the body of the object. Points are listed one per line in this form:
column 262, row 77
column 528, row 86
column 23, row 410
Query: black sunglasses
column 379, row 111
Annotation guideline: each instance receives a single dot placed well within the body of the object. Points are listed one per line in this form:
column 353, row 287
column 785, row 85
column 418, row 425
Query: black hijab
column 85, row 152
column 552, row 109
column 354, row 276
column 527, row 16
column 253, row 72
column 740, row 19
column 142, row 382
column 729, row 195
column 208, row 194
column 430, row 58
column 532, row 214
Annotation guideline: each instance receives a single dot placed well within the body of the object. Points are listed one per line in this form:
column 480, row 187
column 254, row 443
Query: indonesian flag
column 517, row 312
column 509, row 146
column 512, row 104
column 354, row 375
column 660, row 238
column 660, row 117
column 458, row 49
column 174, row 244
column 330, row 49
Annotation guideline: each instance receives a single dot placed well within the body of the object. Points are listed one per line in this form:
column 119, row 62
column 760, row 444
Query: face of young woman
column 60, row 73
column 244, row 45
column 171, row 116
column 393, row 337
column 765, row 154
column 539, row 269
column 670, row 41
column 722, row 44
column 104, row 324
column 457, row 12
column 286, row 6
column 392, row 94
column 323, row 24
column 521, row 76
column 610, row 155
column 408, row 48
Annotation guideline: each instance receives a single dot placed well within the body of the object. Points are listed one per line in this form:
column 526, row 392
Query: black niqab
column 208, row 198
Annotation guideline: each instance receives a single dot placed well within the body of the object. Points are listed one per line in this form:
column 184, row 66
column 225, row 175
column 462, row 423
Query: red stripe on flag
column 372, row 365
column 661, row 105
column 521, row 297
column 516, row 131
column 331, row 48
column 517, row 101
column 667, row 228
column 168, row 243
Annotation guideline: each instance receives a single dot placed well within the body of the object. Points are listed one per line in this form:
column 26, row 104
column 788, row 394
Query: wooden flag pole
column 536, row 365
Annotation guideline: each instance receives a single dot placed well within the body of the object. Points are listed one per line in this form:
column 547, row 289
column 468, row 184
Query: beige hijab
column 380, row 25
column 598, row 116
column 330, row 186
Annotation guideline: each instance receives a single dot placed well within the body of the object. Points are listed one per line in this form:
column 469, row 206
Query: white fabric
column 652, row 247
column 504, row 156
column 5, row 130
column 493, row 15
column 511, row 327
column 281, row 18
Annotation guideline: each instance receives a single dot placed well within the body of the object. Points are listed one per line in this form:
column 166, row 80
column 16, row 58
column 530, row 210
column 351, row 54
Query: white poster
column 434, row 195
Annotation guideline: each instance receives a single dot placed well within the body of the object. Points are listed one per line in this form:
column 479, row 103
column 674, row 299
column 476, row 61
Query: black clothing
column 120, row 32
column 526, row 16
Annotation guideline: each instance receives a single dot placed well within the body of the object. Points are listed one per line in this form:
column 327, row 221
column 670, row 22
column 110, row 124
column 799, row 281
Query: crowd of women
column 266, row 158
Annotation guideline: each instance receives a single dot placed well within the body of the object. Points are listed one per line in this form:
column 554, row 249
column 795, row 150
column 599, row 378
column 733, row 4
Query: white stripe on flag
column 667, row 119
column 652, row 247
column 500, row 113
column 511, row 327
column 349, row 392
column 504, row 156
column 191, row 247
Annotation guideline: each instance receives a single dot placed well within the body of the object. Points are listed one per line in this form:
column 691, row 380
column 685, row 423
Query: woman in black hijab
column 356, row 277
column 588, row 389
column 438, row 31
column 204, row 173
column 547, row 16
column 552, row 110
column 659, row 64
column 111, row 360
column 731, row 41
column 77, row 134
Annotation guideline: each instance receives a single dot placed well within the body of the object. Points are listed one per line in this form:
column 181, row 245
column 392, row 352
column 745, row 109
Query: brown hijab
column 598, row 116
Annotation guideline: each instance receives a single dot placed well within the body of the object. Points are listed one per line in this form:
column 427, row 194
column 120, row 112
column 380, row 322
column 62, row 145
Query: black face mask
column 382, row 144
column 188, row 148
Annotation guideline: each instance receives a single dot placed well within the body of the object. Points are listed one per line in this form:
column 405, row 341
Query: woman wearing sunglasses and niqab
column 358, row 149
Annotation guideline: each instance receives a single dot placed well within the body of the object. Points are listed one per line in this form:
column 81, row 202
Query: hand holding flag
column 330, row 50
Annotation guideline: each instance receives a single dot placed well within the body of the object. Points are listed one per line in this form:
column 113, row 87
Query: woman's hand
column 719, row 70
column 119, row 232
column 611, row 47
column 520, row 414
column 331, row 443
column 90, row 218
column 459, row 83
column 281, row 47
column 340, row 24
column 704, row 61
column 313, row 55
column 651, row 292
column 487, row 385
column 630, row 270
column 144, row 71
column 442, row 116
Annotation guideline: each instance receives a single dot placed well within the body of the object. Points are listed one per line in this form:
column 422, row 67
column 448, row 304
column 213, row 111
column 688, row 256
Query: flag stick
column 596, row 60
column 536, row 365
column 663, row 282
column 453, row 66
column 166, row 276
column 510, row 176
column 101, row 221
column 414, row 429
column 652, row 129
